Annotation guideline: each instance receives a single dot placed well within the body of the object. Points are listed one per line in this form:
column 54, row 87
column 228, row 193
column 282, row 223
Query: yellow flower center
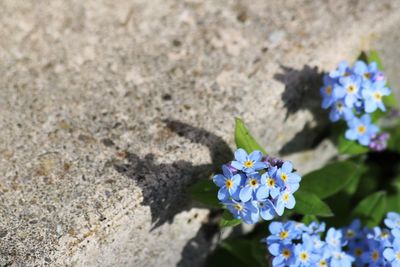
column 322, row 263
column 350, row 233
column 253, row 182
column 361, row 129
column 328, row 90
column 286, row 197
column 346, row 74
column 270, row 182
column 286, row 253
column 384, row 235
column 238, row 207
column 339, row 105
column 367, row 75
column 284, row 176
column 304, row 256
column 248, row 163
column 398, row 255
column 375, row 255
column 283, row 234
column 229, row 183
column 377, row 96
column 351, row 89
column 358, row 252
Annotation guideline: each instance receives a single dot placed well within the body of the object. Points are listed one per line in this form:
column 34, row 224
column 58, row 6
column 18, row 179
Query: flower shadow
column 301, row 93
column 164, row 185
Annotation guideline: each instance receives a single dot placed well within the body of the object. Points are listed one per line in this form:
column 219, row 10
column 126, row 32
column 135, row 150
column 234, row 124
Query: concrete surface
column 109, row 109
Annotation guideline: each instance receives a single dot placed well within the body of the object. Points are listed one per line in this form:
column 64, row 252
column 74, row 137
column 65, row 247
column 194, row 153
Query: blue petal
column 237, row 165
column 279, row 208
column 267, row 214
column 274, row 192
column 226, row 171
column 389, row 254
column 245, row 193
column 364, row 140
column 262, row 192
column 370, row 106
column 275, row 227
column 259, row 165
column 274, row 249
column 219, row 180
column 293, row 178
column 287, row 167
column 223, row 193
column 255, row 156
column 291, row 202
column 339, row 92
column 240, row 155
column 351, row 134
column 236, row 179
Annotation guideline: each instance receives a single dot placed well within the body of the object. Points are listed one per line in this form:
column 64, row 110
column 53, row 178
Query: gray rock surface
column 109, row 109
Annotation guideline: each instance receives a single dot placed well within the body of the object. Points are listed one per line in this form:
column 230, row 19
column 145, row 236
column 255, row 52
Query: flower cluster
column 352, row 94
column 295, row 244
column 253, row 186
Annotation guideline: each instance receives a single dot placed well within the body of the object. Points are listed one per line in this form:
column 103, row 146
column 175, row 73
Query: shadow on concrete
column 302, row 93
column 164, row 185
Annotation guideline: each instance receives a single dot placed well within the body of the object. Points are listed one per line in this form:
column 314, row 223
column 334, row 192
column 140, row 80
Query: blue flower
column 285, row 200
column 392, row 254
column 373, row 257
column 392, row 220
column 315, row 228
column 373, row 95
column 268, row 185
column 248, row 212
column 287, row 177
column 349, row 89
column 305, row 252
column 327, row 92
column 381, row 235
column 340, row 110
column 252, row 183
column 361, row 129
column 357, row 249
column 283, row 254
column 248, row 163
column 353, row 231
column 343, row 69
column 334, row 239
column 267, row 209
column 281, row 232
column 341, row 259
column 228, row 183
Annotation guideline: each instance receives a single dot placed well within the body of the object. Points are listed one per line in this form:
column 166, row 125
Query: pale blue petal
column 351, row 134
column 226, row 171
column 262, row 192
column 245, row 193
column 223, row 193
column 237, row 165
column 255, row 156
column 240, row 155
column 219, row 180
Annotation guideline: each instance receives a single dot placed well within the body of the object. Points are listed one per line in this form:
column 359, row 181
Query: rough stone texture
column 109, row 109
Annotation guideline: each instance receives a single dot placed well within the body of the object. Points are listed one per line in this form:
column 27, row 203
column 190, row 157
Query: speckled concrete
column 109, row 109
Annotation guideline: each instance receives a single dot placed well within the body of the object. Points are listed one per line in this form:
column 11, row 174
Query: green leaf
column 350, row 147
column 309, row 204
column 307, row 219
column 373, row 56
column 259, row 252
column 244, row 139
column 330, row 179
column 227, row 220
column 242, row 249
column 205, row 192
column 371, row 209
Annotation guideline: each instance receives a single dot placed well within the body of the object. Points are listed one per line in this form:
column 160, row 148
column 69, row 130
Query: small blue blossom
column 349, row 89
column 228, row 183
column 373, row 257
column 285, row 200
column 327, row 92
column 284, row 254
column 248, row 212
column 334, row 239
column 305, row 252
column 286, row 177
column 361, row 129
column 373, row 94
column 341, row 259
column 248, row 163
column 252, row 183
column 392, row 220
column 267, row 209
column 339, row 111
column 281, row 232
column 269, row 186
column 392, row 253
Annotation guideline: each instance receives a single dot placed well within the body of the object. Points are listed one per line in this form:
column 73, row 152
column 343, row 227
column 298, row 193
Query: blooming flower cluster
column 295, row 244
column 254, row 186
column 352, row 94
